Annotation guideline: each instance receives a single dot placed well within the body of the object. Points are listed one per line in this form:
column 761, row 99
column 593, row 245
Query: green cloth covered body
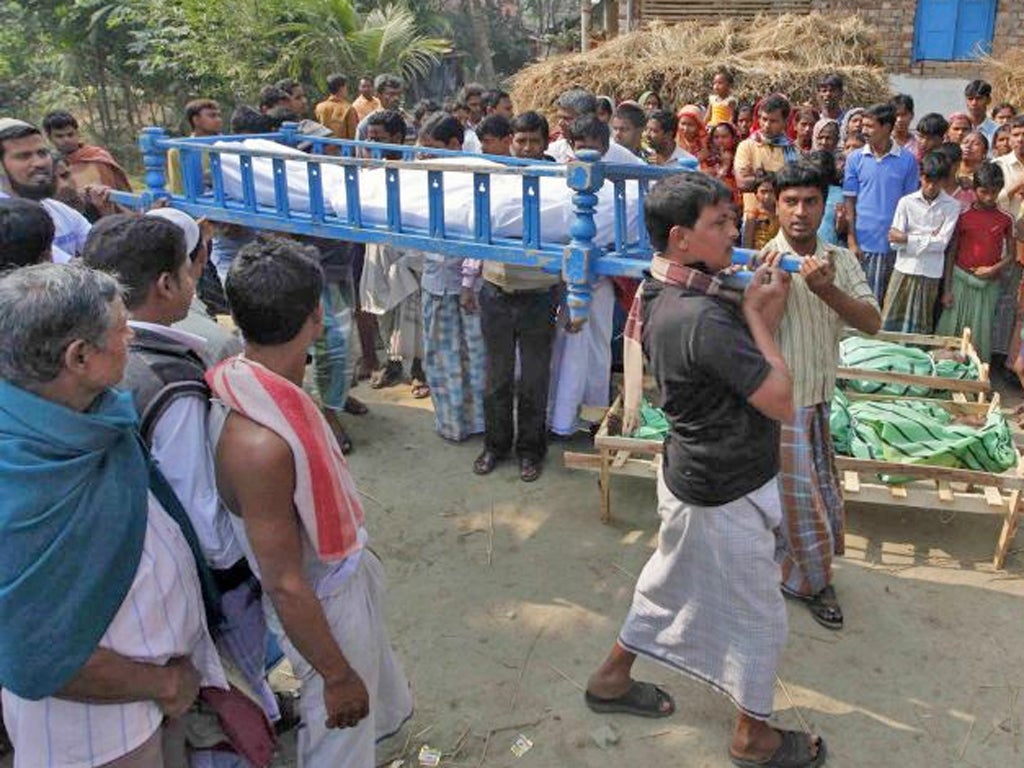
column 915, row 432
column 887, row 356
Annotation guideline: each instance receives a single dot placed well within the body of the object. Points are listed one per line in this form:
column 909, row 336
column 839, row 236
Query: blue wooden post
column 154, row 160
column 586, row 176
column 289, row 133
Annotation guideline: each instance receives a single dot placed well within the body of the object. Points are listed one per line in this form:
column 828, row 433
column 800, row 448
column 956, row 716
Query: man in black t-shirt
column 709, row 602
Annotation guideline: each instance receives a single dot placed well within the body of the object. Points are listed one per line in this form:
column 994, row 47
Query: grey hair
column 580, row 101
column 43, row 309
column 387, row 80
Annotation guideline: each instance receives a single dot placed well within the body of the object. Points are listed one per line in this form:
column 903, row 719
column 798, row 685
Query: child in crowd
column 959, row 126
column 922, row 228
column 803, row 121
column 834, row 224
column 744, row 121
column 973, row 151
column 761, row 223
column 1001, row 141
column 718, row 161
column 984, row 249
column 931, row 133
column 1003, row 113
column 722, row 105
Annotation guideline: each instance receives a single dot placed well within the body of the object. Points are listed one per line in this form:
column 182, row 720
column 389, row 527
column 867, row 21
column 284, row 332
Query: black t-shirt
column 719, row 447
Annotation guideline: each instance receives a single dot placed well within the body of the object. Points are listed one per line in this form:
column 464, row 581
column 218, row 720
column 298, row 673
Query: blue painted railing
column 578, row 261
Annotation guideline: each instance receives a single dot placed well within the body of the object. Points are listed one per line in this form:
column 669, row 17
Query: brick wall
column 894, row 20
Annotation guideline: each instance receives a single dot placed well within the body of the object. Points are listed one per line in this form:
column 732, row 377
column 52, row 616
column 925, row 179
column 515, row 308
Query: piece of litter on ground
column 521, row 745
column 605, row 736
column 429, row 756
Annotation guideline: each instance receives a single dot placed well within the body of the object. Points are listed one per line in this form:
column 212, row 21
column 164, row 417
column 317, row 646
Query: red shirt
column 982, row 236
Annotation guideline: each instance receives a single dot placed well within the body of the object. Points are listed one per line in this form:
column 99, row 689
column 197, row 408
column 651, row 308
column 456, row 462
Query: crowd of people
column 230, row 519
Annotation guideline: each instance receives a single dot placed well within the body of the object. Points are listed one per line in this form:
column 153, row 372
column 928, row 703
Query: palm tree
column 329, row 35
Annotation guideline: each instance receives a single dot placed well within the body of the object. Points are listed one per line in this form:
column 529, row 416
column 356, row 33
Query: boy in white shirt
column 922, row 228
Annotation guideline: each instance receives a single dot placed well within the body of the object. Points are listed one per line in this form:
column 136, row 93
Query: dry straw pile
column 788, row 54
column 1006, row 73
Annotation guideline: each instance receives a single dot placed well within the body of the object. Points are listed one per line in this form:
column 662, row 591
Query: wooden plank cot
column 938, row 488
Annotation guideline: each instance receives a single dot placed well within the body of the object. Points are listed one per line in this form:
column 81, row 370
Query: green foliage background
column 123, row 64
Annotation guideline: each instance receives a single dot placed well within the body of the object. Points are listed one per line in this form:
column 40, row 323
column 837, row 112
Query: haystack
column 786, row 54
column 1006, row 73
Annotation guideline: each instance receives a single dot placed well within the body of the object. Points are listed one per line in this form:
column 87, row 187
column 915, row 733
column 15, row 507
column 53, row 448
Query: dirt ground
column 498, row 631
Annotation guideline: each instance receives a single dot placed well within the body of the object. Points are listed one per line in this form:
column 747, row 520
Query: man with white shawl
column 708, row 602
column 297, row 513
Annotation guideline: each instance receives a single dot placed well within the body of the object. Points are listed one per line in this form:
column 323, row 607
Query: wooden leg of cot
column 1009, row 530
column 605, row 483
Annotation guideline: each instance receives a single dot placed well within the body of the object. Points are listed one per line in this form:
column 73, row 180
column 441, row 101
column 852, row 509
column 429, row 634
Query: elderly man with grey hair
column 103, row 632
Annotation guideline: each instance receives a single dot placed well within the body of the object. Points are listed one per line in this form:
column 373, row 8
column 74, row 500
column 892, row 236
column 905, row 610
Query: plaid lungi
column 813, row 522
column 1007, row 310
column 910, row 303
column 708, row 603
column 453, row 361
column 878, row 269
column 333, row 360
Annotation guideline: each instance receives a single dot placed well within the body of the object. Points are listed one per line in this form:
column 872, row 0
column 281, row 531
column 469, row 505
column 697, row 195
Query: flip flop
column 420, row 389
column 642, row 700
column 793, row 752
column 825, row 609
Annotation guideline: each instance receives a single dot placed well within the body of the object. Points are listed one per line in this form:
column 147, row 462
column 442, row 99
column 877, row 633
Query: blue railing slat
column 217, row 178
column 435, row 203
column 353, row 209
column 482, row 207
column 394, row 199
column 248, row 183
column 281, row 202
column 316, row 191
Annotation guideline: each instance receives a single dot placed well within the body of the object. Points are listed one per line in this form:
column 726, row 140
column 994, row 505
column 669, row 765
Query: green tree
column 330, row 35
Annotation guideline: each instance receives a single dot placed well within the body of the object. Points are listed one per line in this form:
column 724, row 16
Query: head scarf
column 845, row 127
column 695, row 113
column 645, row 94
column 819, row 127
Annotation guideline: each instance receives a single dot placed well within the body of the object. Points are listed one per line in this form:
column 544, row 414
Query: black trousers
column 523, row 320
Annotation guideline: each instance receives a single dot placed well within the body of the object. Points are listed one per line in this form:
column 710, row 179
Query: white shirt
column 161, row 617
column 181, row 448
column 1013, row 174
column 71, row 230
column 929, row 226
column 471, row 142
column 562, row 152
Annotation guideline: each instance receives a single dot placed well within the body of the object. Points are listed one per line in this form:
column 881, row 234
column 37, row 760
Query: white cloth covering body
column 708, row 602
column 161, row 618
column 556, row 207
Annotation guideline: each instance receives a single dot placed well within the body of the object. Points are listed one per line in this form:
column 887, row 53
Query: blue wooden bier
column 578, row 261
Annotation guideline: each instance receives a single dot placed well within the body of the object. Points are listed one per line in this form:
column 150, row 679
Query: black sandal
column 825, row 609
column 642, row 700
column 793, row 752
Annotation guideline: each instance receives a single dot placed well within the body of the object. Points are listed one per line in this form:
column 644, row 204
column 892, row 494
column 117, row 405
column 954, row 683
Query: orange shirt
column 338, row 116
column 364, row 107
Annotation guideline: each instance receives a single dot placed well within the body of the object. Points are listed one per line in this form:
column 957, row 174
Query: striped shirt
column 161, row 617
column 810, row 330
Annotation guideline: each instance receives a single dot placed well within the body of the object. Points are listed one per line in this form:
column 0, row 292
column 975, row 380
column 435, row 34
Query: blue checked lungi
column 813, row 522
column 878, row 269
column 334, row 364
column 454, row 363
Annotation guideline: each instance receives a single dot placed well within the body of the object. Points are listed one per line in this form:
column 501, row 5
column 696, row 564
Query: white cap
column 183, row 221
column 8, row 123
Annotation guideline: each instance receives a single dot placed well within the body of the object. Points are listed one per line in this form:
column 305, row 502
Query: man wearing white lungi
column 297, row 514
column 581, row 360
column 708, row 602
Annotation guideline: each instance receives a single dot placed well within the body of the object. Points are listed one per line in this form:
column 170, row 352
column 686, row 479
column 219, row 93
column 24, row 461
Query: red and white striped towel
column 325, row 494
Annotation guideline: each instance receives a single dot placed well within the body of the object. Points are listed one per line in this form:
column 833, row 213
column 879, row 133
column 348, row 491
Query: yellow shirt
column 340, row 117
column 811, row 330
column 757, row 156
column 364, row 106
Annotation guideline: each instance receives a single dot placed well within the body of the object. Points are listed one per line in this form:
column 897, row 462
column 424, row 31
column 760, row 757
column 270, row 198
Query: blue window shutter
column 935, row 29
column 974, row 28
